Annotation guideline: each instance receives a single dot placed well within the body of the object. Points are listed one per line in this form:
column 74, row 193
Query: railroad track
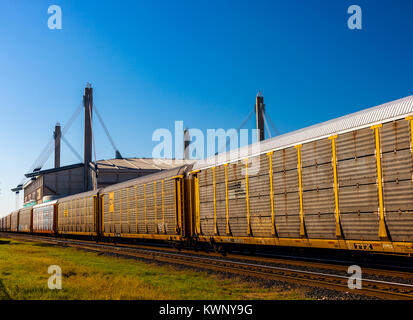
column 256, row 267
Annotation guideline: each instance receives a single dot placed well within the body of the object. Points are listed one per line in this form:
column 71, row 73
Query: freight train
column 343, row 184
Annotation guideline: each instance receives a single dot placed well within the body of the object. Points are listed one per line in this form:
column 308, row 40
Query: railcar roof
column 79, row 196
column 45, row 204
column 26, row 209
column 133, row 164
column 148, row 178
column 386, row 112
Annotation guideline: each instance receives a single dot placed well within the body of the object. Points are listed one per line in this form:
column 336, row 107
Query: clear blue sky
column 154, row 62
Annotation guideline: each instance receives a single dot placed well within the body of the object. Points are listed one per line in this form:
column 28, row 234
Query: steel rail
column 308, row 262
column 370, row 287
column 299, row 261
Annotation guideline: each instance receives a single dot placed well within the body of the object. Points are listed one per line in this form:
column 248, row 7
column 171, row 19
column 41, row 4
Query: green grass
column 88, row 275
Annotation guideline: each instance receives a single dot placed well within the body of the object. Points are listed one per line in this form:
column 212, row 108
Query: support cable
column 47, row 150
column 72, row 149
column 277, row 133
column 266, row 125
column 107, row 132
column 239, row 128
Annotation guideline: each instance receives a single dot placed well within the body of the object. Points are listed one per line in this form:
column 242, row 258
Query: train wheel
column 177, row 245
column 223, row 250
column 218, row 248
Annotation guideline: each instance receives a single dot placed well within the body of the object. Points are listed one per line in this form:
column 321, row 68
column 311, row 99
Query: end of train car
column 14, row 221
column 25, row 220
column 45, row 218
column 149, row 207
column 78, row 214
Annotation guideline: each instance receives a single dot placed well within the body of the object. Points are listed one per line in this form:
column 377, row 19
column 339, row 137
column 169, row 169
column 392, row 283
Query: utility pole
column 88, row 105
column 259, row 110
column 57, row 138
